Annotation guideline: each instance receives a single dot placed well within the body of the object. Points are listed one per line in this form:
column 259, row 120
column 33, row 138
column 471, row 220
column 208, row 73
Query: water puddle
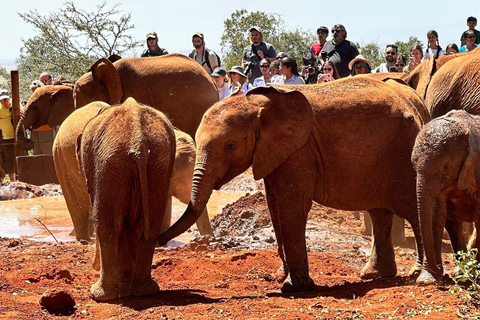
column 24, row 218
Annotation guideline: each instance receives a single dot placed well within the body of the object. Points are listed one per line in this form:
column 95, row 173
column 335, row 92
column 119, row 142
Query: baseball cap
column 4, row 94
column 152, row 35
column 198, row 34
column 256, row 29
column 219, row 72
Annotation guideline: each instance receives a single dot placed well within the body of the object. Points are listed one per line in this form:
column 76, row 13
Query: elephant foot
column 281, row 274
column 101, row 293
column 124, row 288
column 296, row 285
column 144, row 289
column 428, row 278
column 379, row 270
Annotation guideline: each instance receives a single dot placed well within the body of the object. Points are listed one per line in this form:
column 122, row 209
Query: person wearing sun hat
column 238, row 80
column 219, row 75
column 153, row 49
column 7, row 133
column 359, row 65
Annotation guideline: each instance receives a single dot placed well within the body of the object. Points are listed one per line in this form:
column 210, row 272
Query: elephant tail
column 142, row 161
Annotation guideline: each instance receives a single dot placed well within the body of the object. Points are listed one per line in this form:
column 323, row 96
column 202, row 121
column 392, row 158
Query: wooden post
column 15, row 113
column 15, row 99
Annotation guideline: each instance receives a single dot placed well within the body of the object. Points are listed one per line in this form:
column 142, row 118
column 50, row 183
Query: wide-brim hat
column 239, row 70
column 359, row 58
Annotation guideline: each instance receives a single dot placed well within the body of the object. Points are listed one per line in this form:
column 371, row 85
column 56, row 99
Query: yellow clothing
column 6, row 123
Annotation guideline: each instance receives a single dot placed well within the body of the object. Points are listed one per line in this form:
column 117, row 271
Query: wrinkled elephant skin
column 446, row 157
column 345, row 144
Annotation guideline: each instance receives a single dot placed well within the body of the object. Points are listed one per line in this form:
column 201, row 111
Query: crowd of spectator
column 325, row 60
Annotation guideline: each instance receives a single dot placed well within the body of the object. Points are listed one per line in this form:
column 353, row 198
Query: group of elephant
column 347, row 144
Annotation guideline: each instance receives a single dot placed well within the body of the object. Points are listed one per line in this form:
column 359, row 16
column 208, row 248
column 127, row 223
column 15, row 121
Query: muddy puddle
column 24, row 218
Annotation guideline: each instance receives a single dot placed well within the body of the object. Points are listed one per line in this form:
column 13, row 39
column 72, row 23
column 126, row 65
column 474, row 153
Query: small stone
column 57, row 300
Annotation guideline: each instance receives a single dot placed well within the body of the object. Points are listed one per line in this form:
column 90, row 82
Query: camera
column 248, row 67
column 392, row 69
column 310, row 68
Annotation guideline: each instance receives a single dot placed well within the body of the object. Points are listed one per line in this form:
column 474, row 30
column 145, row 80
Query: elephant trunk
column 427, row 204
column 202, row 187
column 22, row 141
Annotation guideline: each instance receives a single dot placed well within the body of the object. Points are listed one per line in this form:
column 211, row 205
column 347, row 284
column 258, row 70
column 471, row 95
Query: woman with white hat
column 238, row 80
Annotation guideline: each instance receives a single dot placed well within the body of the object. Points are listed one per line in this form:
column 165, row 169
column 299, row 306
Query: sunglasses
column 337, row 30
column 391, row 52
column 264, row 66
column 470, row 37
column 327, row 69
column 400, row 65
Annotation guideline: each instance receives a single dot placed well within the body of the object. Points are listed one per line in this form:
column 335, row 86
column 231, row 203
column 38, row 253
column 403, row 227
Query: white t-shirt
column 293, row 80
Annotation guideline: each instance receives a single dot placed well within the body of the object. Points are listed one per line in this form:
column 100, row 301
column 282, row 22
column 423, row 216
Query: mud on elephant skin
column 128, row 205
column 446, row 158
column 173, row 84
column 73, row 182
column 297, row 142
column 48, row 106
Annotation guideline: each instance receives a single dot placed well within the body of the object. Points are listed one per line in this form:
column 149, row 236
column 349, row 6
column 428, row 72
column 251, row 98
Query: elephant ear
column 285, row 124
column 105, row 72
column 470, row 171
column 61, row 106
column 420, row 77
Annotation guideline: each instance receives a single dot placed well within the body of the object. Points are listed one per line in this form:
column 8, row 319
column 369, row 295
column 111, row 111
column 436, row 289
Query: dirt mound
column 243, row 217
column 22, row 190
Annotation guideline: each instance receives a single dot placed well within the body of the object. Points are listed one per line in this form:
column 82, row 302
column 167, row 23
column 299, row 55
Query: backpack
column 207, row 61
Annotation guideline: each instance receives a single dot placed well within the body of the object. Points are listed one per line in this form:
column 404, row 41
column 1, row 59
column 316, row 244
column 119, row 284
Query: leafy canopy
column 235, row 36
column 70, row 40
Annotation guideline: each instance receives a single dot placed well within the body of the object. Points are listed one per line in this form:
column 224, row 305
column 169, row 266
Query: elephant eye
column 230, row 146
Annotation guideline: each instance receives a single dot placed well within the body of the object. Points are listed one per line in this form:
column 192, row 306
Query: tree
column 373, row 53
column 71, row 40
column 235, row 36
column 404, row 47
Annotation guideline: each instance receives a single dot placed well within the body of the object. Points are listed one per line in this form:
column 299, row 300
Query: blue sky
column 175, row 21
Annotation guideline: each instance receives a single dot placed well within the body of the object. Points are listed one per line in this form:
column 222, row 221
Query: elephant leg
column 142, row 283
column 106, row 288
column 366, row 228
column 282, row 272
column 382, row 259
column 455, row 232
column 398, row 231
column 167, row 218
column 126, row 258
column 289, row 203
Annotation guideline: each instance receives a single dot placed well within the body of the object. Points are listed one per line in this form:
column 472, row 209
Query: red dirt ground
column 232, row 277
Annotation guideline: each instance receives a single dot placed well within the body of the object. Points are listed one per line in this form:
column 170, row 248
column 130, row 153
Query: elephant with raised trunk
column 173, row 84
column 344, row 144
column 128, row 177
column 446, row 158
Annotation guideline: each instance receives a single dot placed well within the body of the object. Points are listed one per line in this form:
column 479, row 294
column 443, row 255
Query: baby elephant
column 446, row 158
column 127, row 153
